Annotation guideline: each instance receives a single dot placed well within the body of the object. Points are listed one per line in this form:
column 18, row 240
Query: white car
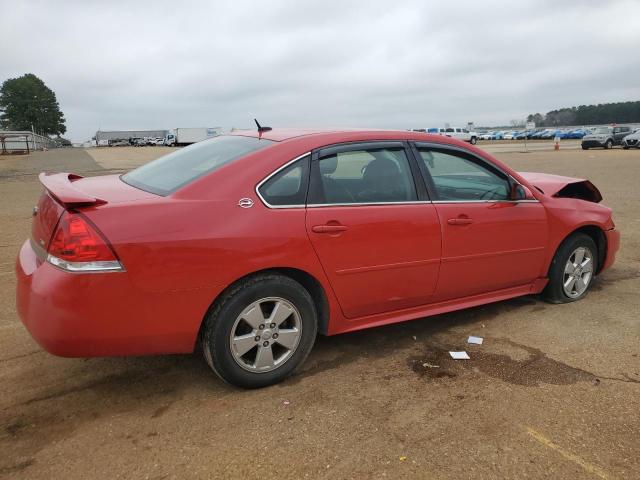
column 460, row 133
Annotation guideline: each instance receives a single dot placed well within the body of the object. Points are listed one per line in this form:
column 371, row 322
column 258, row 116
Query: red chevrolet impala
column 252, row 243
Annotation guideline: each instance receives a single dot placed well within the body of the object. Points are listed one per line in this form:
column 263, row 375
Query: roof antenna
column 261, row 128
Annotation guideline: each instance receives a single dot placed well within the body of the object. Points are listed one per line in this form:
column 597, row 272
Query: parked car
column 576, row 134
column 605, row 137
column 118, row 143
column 632, row 140
column 260, row 240
column 460, row 133
column 521, row 135
column 487, row 136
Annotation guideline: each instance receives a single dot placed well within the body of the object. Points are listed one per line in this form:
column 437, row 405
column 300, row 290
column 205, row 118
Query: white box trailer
column 186, row 136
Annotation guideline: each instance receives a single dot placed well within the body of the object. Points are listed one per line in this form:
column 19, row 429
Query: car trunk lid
column 68, row 191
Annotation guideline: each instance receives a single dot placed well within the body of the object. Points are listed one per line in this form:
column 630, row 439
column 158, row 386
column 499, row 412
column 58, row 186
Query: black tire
column 584, row 147
column 625, row 147
column 608, row 144
column 554, row 291
column 216, row 333
column 474, row 140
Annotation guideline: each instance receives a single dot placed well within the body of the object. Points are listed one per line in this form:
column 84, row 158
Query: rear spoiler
column 60, row 186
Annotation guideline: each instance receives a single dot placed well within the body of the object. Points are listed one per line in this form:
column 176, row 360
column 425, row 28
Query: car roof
column 329, row 136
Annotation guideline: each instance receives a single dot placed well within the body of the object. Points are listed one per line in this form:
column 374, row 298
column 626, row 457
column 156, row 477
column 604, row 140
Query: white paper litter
column 459, row 355
column 475, row 340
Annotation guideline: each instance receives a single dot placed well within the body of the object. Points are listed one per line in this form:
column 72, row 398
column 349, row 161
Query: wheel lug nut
column 275, row 335
column 273, row 325
column 265, row 344
column 257, row 338
column 261, row 327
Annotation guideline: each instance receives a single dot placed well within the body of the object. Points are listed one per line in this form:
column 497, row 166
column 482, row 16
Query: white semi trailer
column 186, row 136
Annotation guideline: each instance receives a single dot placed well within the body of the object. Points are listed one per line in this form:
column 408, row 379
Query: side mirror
column 518, row 192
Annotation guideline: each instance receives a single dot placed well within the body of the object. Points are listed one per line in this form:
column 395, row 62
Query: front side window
column 288, row 187
column 364, row 176
column 458, row 178
column 171, row 172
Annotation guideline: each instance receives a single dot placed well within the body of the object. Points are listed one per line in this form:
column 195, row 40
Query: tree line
column 603, row 113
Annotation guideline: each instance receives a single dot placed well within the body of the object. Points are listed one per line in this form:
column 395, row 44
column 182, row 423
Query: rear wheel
column 584, row 147
column 260, row 331
column 572, row 269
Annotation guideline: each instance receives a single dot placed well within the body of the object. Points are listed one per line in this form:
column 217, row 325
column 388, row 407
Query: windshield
column 601, row 130
column 171, row 172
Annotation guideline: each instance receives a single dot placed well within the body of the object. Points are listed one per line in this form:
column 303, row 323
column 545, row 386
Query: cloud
column 405, row 64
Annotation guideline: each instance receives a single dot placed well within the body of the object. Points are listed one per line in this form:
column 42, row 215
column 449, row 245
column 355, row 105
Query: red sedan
column 254, row 242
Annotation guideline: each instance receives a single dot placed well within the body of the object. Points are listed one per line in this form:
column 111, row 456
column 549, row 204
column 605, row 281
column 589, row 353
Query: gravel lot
column 554, row 392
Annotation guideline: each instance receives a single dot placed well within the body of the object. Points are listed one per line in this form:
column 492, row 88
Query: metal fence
column 23, row 142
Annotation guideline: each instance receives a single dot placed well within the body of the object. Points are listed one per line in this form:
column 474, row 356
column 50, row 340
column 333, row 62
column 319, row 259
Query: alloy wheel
column 265, row 335
column 578, row 272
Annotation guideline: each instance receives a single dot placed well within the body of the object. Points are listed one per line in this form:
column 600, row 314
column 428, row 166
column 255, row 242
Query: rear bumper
column 613, row 245
column 102, row 314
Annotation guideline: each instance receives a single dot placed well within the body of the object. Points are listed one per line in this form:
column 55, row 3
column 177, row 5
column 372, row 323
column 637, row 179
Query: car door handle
column 328, row 228
column 460, row 221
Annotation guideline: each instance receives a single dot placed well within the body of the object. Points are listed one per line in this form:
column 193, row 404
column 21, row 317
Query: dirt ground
column 554, row 391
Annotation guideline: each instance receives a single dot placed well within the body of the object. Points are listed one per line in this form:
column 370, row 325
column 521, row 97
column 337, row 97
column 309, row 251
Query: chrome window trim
column 268, row 177
column 364, row 204
column 487, row 201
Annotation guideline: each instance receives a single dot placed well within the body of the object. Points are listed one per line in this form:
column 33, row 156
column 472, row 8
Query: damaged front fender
column 563, row 187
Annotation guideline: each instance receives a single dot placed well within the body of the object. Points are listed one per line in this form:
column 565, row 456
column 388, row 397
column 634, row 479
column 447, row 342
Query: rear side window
column 171, row 172
column 288, row 187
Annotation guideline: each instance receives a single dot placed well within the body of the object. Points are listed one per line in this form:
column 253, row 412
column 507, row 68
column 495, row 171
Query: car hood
column 563, row 187
column 635, row 136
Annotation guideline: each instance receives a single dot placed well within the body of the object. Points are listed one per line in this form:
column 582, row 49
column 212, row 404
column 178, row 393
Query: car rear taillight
column 78, row 246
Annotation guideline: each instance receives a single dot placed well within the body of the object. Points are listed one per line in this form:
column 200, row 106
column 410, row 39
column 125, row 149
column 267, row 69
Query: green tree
column 25, row 102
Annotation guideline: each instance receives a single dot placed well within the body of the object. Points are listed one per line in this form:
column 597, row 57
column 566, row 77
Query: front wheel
column 609, row 144
column 572, row 269
column 474, row 140
column 260, row 331
column 584, row 147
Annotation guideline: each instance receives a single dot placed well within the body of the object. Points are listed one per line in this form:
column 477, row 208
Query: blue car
column 537, row 134
column 577, row 134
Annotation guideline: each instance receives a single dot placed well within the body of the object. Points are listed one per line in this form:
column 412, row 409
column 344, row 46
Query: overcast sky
column 385, row 64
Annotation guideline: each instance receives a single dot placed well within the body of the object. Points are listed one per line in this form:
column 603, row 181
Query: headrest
column 328, row 165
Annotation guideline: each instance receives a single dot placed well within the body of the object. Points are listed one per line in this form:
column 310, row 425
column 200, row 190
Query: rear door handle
column 328, row 228
column 460, row 221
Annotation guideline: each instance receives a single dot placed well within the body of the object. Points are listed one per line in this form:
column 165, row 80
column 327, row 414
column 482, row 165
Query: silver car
column 605, row 137
column 631, row 141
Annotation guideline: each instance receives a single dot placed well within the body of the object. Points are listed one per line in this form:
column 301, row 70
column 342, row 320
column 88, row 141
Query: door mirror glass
column 518, row 192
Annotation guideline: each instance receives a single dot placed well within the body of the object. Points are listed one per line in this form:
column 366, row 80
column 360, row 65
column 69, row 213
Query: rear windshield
column 171, row 172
